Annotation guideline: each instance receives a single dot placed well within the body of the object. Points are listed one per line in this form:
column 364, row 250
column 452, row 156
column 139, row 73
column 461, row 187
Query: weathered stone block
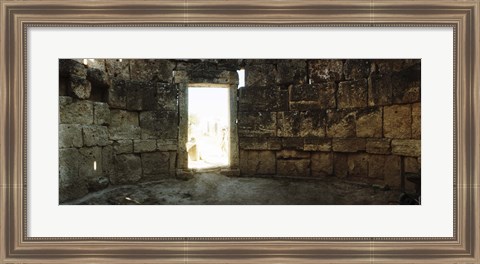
column 348, row 144
column 101, row 113
column 65, row 101
column 358, row 165
column 98, row 78
column 259, row 74
column 322, row 164
column 140, row 95
column 71, row 186
column 392, row 171
column 340, row 165
column 70, row 68
column 124, row 125
column 69, row 136
column 293, row 168
column 117, row 94
column 301, row 124
column 291, row 71
column 128, row 169
column 262, row 99
column 253, row 124
column 145, row 145
column 79, row 87
column 379, row 146
column 376, row 166
column 293, row 143
column 416, row 121
column 317, row 144
column 369, row 122
column 155, row 165
column 262, row 143
column 379, row 89
column 123, row 146
column 341, row 123
column 397, row 121
column 411, row 165
column 159, row 124
column 352, row 94
column 108, row 161
column 325, row 70
column 313, row 96
column 78, row 112
column 166, row 97
column 167, row 144
column 152, row 70
column 94, row 135
column 406, row 147
column 356, row 69
column 406, row 85
column 87, row 169
column 292, row 154
column 257, row 162
column 117, row 69
column 394, row 65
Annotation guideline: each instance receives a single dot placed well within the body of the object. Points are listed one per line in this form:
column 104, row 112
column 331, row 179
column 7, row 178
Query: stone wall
column 352, row 119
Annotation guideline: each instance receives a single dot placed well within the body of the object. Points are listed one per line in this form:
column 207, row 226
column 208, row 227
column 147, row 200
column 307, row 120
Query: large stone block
column 79, row 87
column 166, row 97
column 70, row 135
column 101, row 113
column 94, row 135
column 406, row 147
column 313, row 96
column 301, row 124
column 118, row 69
column 254, row 124
column 117, row 94
column 416, row 121
column 322, row 164
column 397, row 121
column 71, row 186
column 356, row 69
column 317, row 144
column 376, row 166
column 77, row 112
column 140, row 95
column 293, row 143
column 128, row 169
column 352, row 94
column 260, row 143
column 156, row 70
column 124, row 125
column 291, row 71
column 348, row 144
column 379, row 146
column 70, row 68
column 394, row 65
column 406, row 85
column 144, row 145
column 108, row 161
column 167, row 144
column 325, row 70
column 292, row 154
column 369, row 122
column 340, row 165
column 98, row 78
column 257, row 162
column 123, row 146
column 155, row 165
column 341, row 123
column 411, row 165
column 379, row 89
column 358, row 165
column 293, row 168
column 259, row 74
column 159, row 124
column 262, row 99
column 386, row 167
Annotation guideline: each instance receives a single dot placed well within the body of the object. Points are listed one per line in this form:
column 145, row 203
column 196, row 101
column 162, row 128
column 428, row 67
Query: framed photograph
column 239, row 132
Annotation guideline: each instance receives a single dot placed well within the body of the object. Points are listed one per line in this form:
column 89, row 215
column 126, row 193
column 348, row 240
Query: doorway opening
column 208, row 144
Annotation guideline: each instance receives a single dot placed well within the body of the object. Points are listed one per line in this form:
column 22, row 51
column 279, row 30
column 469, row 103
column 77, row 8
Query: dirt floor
column 216, row 189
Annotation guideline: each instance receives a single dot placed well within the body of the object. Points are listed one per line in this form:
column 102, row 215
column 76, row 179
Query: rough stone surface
column 253, row 124
column 147, row 145
column 325, row 70
column 348, row 144
column 293, row 168
column 291, row 71
column 257, row 162
column 340, row 165
column 167, row 144
column 416, row 121
column 340, row 123
column 259, row 75
column 301, row 124
column 159, row 124
column 293, row 143
column 108, row 161
column 128, row 169
column 166, row 97
column 79, row 87
column 71, row 186
column 313, row 96
column 98, row 78
column 411, row 165
column 392, row 171
column 94, row 135
column 69, row 136
column 101, row 113
column 358, row 165
column 322, row 164
column 261, row 143
column 397, row 120
column 379, row 146
column 262, row 99
column 292, row 154
column 70, row 68
column 352, row 94
column 406, row 147
column 140, row 95
column 356, row 69
column 117, row 69
column 117, row 94
column 155, row 165
column 123, row 146
column 317, row 144
column 406, row 85
column 124, row 125
column 379, row 89
column 369, row 122
column 77, row 112
column 152, row 70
